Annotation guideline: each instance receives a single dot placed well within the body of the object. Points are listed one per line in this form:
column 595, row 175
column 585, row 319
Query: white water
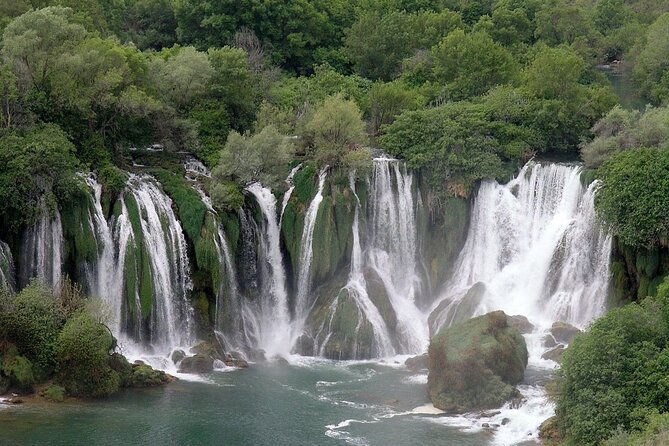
column 303, row 305
column 42, row 250
column 357, row 287
column 289, row 192
column 392, row 249
column 6, row 267
column 536, row 245
column 170, row 321
column 274, row 327
column 537, row 248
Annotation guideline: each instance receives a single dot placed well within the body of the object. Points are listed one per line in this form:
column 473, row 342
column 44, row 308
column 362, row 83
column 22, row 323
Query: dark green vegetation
column 466, row 90
column 58, row 338
column 474, row 365
column 613, row 377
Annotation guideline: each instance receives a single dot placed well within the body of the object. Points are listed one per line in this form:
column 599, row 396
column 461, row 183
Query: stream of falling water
column 275, row 326
column 42, row 250
column 534, row 248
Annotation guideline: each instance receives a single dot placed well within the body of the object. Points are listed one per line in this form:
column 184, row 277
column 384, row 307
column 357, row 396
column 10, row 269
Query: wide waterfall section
column 391, row 249
column 142, row 268
column 534, row 248
column 41, row 254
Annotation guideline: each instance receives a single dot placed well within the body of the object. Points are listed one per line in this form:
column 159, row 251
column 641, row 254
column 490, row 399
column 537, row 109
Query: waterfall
column 41, row 254
column 306, row 251
column 165, row 245
column 289, row 192
column 274, row 326
column 118, row 272
column 357, row 289
column 6, row 267
column 392, row 249
column 534, row 248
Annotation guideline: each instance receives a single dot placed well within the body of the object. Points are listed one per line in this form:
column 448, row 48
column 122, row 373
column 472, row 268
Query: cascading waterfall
column 392, row 249
column 357, row 289
column 165, row 245
column 6, row 267
column 302, row 305
column 274, row 335
column 535, row 246
column 41, row 253
column 116, row 275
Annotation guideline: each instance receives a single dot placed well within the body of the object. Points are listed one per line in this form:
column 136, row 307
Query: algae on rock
column 476, row 364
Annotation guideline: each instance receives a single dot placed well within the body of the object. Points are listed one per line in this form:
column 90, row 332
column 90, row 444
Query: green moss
column 306, row 183
column 80, row 241
column 474, row 365
column 648, row 261
column 292, row 226
column 137, row 268
column 190, row 208
column 620, row 282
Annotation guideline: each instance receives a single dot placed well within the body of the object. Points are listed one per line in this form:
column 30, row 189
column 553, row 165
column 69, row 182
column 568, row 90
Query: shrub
column 32, row 322
column 82, row 350
column 54, row 392
column 633, row 200
column 613, row 374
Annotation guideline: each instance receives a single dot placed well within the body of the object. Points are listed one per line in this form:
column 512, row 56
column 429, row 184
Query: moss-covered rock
column 563, row 332
column 476, row 364
column 197, row 364
column 144, row 375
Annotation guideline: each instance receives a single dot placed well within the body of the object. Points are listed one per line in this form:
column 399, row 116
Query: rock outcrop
column 476, row 364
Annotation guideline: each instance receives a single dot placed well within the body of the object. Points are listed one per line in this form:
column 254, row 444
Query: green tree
column 261, row 157
column 470, row 64
column 82, row 350
column 651, row 65
column 39, row 165
column 34, row 42
column 182, row 77
column 633, row 198
column 335, row 129
column 613, row 375
column 385, row 101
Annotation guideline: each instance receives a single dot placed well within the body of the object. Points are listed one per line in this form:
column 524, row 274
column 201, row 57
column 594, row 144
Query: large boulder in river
column 196, row 364
column 563, row 332
column 476, row 364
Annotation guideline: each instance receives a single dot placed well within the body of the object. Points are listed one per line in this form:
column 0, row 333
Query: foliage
column 633, row 199
column 626, row 129
column 227, row 196
column 651, row 63
column 249, row 158
column 613, row 374
column 54, row 392
column 82, row 350
column 31, row 320
column 335, row 128
column 38, row 166
column 377, row 43
column 471, row 64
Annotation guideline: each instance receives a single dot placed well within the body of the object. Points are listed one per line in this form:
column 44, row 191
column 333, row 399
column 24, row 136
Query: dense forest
column 461, row 90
